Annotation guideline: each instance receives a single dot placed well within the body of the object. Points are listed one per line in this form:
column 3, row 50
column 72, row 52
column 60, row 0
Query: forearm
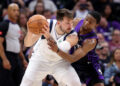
column 2, row 53
column 66, row 56
column 72, row 58
column 30, row 40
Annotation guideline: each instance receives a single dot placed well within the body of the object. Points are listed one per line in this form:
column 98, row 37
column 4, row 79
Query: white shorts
column 62, row 71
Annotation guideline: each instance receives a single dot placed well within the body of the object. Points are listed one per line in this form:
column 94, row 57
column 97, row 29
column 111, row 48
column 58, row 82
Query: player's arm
column 30, row 39
column 88, row 45
column 70, row 41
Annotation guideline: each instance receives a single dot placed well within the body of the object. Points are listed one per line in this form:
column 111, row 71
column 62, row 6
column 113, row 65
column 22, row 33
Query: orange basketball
column 36, row 23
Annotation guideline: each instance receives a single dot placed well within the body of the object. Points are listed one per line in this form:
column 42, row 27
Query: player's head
column 64, row 18
column 13, row 11
column 92, row 20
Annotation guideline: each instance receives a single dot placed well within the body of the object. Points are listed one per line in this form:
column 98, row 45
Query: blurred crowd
column 108, row 30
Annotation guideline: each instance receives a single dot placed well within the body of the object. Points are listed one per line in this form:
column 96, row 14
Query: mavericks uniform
column 87, row 67
column 44, row 61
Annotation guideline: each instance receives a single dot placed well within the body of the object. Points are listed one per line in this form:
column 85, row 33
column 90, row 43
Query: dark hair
column 64, row 13
column 96, row 15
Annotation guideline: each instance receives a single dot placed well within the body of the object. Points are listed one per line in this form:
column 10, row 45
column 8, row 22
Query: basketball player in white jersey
column 44, row 61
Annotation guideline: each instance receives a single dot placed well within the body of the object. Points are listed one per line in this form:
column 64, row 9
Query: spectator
column 80, row 9
column 106, row 28
column 11, row 70
column 48, row 14
column 113, row 68
column 104, row 55
column 107, row 13
column 115, row 42
column 90, row 6
column 39, row 8
column 48, row 4
column 100, row 38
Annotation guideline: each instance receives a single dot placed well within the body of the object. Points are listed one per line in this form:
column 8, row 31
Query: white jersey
column 44, row 61
column 41, row 49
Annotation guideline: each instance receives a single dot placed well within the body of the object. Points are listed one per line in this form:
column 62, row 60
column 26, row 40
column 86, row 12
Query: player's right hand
column 6, row 64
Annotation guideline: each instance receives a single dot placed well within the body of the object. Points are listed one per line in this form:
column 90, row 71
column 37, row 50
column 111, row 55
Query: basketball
column 36, row 23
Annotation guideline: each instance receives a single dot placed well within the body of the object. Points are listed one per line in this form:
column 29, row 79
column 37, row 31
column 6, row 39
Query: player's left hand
column 46, row 32
column 52, row 44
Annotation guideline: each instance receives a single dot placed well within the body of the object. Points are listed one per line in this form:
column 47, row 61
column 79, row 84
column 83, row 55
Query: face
column 23, row 19
column 89, row 23
column 105, row 49
column 117, row 55
column 100, row 38
column 116, row 35
column 103, row 22
column 66, row 25
column 13, row 12
column 108, row 10
column 39, row 8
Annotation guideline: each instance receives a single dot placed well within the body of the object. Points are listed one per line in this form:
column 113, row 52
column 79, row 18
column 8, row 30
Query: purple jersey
column 90, row 58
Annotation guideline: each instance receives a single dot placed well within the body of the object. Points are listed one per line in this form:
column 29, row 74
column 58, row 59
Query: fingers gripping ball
column 36, row 23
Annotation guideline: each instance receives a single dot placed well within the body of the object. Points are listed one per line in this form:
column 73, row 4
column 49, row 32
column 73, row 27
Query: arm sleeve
column 64, row 46
column 3, row 29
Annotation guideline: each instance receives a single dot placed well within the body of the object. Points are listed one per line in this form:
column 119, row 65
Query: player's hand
column 52, row 44
column 46, row 32
column 6, row 64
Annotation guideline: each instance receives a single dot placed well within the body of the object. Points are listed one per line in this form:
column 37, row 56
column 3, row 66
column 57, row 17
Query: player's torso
column 91, row 57
column 41, row 49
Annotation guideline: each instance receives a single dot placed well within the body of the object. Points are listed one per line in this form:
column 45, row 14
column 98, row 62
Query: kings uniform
column 87, row 67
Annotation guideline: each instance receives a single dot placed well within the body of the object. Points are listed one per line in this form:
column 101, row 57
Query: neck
column 58, row 30
column 12, row 20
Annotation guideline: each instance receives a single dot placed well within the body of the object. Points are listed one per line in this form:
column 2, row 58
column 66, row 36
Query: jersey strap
column 51, row 24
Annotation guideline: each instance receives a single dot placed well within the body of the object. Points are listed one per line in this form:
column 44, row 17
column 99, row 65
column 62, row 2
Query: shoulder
column 4, row 25
column 3, row 28
column 51, row 20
